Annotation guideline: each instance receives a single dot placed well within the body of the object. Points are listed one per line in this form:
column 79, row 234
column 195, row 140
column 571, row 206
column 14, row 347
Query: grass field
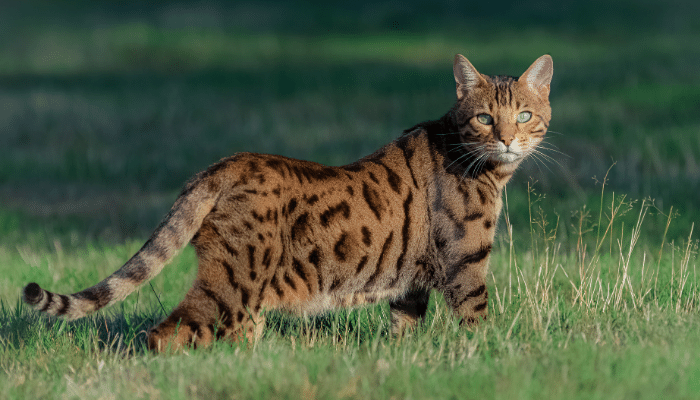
column 107, row 108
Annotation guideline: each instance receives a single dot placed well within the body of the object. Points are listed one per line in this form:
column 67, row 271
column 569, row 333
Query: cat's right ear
column 466, row 76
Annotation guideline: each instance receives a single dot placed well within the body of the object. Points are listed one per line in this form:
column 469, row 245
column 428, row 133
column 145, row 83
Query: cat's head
column 501, row 118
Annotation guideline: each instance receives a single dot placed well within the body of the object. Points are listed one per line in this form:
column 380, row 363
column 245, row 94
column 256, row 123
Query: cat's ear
column 538, row 77
column 466, row 75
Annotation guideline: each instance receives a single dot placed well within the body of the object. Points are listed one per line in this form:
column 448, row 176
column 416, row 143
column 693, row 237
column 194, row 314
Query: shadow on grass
column 25, row 329
column 121, row 332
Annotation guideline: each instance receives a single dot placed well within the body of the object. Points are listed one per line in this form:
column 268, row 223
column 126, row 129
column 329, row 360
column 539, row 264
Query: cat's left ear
column 538, row 77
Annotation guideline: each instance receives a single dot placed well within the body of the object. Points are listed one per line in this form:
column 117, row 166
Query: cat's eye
column 524, row 116
column 484, row 119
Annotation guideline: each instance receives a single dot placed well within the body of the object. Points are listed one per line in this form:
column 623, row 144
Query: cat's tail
column 176, row 230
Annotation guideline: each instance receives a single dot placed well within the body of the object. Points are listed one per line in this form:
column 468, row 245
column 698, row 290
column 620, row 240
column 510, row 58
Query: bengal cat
column 273, row 232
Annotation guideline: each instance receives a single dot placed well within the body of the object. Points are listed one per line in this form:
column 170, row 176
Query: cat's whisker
column 468, row 168
column 549, row 143
column 448, row 133
column 556, row 133
column 538, row 161
column 541, row 149
column 478, row 161
column 457, row 160
column 483, row 149
column 548, row 157
column 541, row 146
column 544, row 157
column 465, row 146
column 482, row 163
column 545, row 141
column 472, row 151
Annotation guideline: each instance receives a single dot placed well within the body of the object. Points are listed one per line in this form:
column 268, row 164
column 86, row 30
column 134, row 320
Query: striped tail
column 174, row 232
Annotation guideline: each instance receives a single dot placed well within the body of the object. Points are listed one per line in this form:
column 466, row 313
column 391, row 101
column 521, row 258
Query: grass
column 108, row 108
column 574, row 323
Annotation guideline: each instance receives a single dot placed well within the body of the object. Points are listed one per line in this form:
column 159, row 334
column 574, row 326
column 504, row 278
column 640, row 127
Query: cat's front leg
column 408, row 310
column 466, row 293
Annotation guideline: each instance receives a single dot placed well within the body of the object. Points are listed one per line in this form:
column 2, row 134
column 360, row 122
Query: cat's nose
column 506, row 135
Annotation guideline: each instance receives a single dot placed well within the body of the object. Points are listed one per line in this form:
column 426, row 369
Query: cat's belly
column 323, row 302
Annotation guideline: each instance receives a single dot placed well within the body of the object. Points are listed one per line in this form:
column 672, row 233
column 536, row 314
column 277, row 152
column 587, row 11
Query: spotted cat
column 272, row 232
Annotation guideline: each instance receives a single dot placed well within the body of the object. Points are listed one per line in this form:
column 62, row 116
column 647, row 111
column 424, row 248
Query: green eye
column 524, row 116
column 484, row 119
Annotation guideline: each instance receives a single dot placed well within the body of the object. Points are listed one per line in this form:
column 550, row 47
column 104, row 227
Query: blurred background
column 108, row 107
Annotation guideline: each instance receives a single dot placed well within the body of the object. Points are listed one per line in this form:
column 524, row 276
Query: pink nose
column 507, row 140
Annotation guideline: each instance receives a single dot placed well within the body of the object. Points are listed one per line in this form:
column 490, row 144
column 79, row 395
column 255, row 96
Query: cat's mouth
column 507, row 154
column 508, row 157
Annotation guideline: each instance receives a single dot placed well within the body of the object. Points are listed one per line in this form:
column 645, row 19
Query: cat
column 272, row 232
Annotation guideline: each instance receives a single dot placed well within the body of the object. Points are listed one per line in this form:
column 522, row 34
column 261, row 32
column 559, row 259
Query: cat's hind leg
column 207, row 313
column 193, row 322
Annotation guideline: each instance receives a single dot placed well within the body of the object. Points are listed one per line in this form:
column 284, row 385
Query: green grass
column 107, row 108
column 565, row 323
